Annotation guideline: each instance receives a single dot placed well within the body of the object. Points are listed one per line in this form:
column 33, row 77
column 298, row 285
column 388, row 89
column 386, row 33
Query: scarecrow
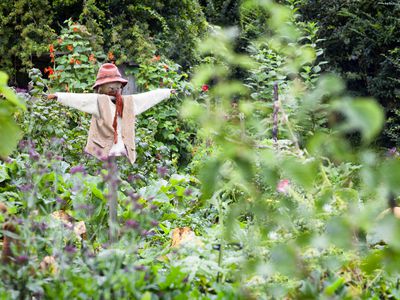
column 112, row 128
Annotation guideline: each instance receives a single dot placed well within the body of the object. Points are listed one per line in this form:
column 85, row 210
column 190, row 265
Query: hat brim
column 109, row 80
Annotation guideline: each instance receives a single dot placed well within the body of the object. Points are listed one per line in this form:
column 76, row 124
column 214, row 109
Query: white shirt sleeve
column 86, row 102
column 144, row 101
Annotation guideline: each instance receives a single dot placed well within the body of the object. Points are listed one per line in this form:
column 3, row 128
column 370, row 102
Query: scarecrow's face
column 109, row 88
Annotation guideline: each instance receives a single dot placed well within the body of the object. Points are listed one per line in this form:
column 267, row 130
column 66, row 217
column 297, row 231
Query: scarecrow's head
column 109, row 80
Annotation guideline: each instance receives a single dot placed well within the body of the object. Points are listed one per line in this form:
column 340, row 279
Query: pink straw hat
column 109, row 73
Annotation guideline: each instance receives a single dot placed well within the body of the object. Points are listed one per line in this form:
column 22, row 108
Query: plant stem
column 221, row 226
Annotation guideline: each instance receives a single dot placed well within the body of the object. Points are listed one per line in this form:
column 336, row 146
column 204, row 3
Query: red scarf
column 119, row 107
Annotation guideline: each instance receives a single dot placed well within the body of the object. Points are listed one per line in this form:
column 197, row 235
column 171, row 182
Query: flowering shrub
column 75, row 64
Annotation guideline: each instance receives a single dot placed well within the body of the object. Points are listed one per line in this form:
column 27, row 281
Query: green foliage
column 303, row 214
column 130, row 30
column 222, row 12
column 9, row 130
column 26, row 32
column 361, row 43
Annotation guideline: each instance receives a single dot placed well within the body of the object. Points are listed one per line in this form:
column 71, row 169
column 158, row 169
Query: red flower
column 283, row 186
column 70, row 47
column 75, row 29
column 49, row 70
column 92, row 57
column 72, row 61
column 204, row 88
column 51, row 48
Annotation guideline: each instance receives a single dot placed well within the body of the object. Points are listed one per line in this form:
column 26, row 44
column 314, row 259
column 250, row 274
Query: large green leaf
column 7, row 93
column 209, row 177
column 10, row 134
column 363, row 114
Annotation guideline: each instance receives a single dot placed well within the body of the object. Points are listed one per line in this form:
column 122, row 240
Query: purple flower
column 153, row 207
column 144, row 232
column 20, row 90
column 57, row 141
column 22, row 259
column 131, row 224
column 70, row 249
column 140, row 268
column 77, row 169
column 49, row 155
column 39, row 226
column 60, row 201
column 33, row 154
column 138, row 206
column 22, row 144
column 91, row 254
column 392, row 152
column 154, row 223
column 188, row 192
column 133, row 177
column 162, row 171
column 134, row 196
column 26, row 187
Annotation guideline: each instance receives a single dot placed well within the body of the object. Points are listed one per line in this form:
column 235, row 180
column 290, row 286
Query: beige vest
column 101, row 132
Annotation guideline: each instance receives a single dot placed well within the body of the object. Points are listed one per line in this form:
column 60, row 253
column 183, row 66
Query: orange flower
column 166, row 67
column 110, row 56
column 75, row 29
column 78, row 62
column 49, row 70
column 72, row 61
column 59, row 40
column 51, row 48
column 70, row 47
column 155, row 58
column 92, row 57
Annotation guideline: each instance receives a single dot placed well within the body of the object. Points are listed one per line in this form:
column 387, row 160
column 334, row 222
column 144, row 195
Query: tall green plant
column 10, row 132
column 306, row 206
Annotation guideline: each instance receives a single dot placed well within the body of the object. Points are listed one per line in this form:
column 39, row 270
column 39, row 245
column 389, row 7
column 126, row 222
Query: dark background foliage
column 361, row 41
column 130, row 29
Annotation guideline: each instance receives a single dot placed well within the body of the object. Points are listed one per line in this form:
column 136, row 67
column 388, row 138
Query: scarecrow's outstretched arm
column 86, row 102
column 144, row 101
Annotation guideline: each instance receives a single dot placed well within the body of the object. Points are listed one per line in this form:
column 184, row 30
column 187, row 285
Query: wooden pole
column 275, row 113
column 113, row 200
